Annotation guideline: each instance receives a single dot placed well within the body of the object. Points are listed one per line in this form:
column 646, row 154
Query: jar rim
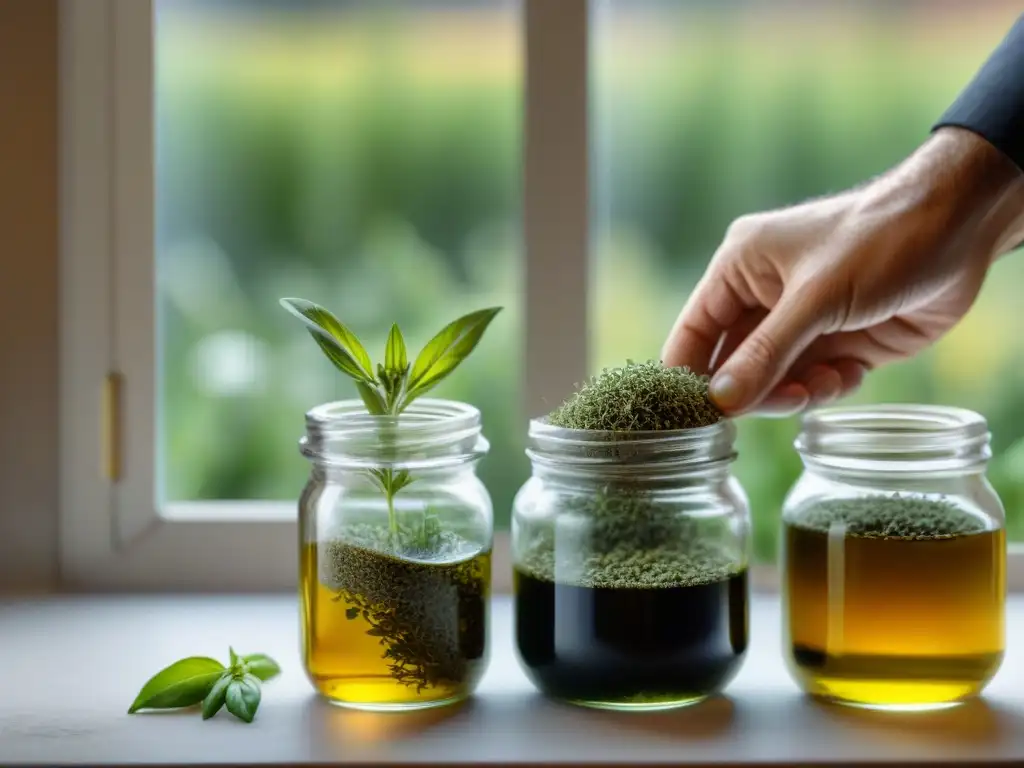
column 422, row 415
column 675, row 449
column 895, row 437
column 431, row 432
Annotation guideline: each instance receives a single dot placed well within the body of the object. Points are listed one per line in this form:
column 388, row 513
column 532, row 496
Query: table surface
column 72, row 665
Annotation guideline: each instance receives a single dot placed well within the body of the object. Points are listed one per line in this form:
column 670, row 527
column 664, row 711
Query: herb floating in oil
column 200, row 679
column 629, row 541
column 418, row 588
column 430, row 616
column 396, row 382
column 639, row 397
column 891, row 517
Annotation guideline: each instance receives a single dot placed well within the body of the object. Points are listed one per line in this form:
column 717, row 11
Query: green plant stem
column 390, row 496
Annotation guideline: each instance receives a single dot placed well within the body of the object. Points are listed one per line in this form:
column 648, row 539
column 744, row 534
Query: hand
column 797, row 304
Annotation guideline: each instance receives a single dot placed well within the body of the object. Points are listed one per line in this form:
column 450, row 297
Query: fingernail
column 725, row 391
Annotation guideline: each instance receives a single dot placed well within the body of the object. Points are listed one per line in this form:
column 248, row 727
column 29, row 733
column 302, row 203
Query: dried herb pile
column 639, row 397
column 431, row 617
column 622, row 535
column 891, row 517
column 624, row 540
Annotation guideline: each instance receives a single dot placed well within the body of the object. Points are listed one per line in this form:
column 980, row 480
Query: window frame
column 112, row 536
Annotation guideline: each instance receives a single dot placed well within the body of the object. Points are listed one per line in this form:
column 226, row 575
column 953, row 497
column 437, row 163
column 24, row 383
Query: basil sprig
column 200, row 679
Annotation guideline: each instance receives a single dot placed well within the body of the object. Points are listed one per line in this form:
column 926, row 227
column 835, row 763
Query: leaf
column 341, row 359
column 371, row 399
column 395, row 356
column 243, row 697
column 262, row 666
column 338, row 342
column 182, row 684
column 215, row 698
column 234, row 657
column 446, row 350
column 379, row 479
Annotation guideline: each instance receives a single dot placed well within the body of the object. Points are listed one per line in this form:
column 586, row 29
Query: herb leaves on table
column 200, row 679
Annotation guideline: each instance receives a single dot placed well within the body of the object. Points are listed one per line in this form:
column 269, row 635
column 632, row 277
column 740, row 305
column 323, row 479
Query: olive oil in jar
column 392, row 633
column 894, row 602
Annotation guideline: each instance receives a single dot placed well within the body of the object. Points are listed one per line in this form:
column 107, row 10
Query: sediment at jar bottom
column 902, row 607
column 387, row 632
column 631, row 646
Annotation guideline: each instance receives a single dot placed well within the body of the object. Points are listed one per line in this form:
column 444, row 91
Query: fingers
column 763, row 358
column 712, row 308
column 820, row 384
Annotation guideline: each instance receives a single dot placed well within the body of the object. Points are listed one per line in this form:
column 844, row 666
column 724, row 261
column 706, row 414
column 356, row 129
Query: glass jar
column 630, row 552
column 894, row 558
column 395, row 565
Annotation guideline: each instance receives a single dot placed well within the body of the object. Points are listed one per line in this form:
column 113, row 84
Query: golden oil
column 894, row 622
column 416, row 637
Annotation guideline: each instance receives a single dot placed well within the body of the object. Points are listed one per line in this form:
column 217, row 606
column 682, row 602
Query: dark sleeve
column 992, row 104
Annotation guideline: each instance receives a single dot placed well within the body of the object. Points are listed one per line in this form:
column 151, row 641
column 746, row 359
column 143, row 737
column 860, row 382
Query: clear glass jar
column 894, row 558
column 395, row 586
column 630, row 553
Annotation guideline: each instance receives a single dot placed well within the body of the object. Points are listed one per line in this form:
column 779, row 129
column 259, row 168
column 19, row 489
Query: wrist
column 964, row 190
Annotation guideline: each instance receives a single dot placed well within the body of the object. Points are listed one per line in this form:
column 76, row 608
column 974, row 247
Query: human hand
column 798, row 304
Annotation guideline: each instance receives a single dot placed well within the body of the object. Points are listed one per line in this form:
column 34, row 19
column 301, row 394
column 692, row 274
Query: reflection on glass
column 705, row 111
column 363, row 157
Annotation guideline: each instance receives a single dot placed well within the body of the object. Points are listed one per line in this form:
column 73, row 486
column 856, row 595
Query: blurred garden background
column 366, row 155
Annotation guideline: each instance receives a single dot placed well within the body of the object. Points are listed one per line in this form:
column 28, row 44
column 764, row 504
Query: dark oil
column 894, row 622
column 631, row 648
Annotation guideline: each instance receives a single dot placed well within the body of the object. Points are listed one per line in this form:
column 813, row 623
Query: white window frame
column 112, row 536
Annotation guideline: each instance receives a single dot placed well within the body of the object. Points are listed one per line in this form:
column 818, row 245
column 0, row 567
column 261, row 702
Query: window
column 367, row 155
column 706, row 111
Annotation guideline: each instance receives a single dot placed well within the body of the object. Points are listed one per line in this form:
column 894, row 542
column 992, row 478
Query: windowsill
column 71, row 665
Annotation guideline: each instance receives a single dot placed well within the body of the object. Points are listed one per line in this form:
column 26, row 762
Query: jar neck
column 431, row 435
column 653, row 460
column 904, row 442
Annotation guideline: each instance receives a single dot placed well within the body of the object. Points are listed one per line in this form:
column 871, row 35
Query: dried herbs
column 430, row 616
column 891, row 517
column 639, row 397
column 619, row 538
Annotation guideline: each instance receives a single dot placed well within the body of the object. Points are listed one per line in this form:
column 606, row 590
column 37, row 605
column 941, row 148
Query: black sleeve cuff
column 992, row 104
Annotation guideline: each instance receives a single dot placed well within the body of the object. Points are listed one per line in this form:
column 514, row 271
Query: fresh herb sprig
column 391, row 386
column 200, row 679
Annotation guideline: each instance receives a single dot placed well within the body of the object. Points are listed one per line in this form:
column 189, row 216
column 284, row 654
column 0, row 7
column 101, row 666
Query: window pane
column 705, row 111
column 360, row 154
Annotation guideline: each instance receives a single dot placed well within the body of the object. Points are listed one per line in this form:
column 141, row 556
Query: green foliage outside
column 390, row 192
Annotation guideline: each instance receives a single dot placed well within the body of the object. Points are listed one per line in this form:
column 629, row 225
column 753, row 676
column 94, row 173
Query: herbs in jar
column 396, row 528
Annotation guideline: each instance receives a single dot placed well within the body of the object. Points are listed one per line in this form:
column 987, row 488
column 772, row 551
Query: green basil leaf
column 233, row 656
column 215, row 698
column 182, row 684
column 446, row 350
column 337, row 342
column 395, row 357
column 243, row 697
column 371, row 399
column 262, row 666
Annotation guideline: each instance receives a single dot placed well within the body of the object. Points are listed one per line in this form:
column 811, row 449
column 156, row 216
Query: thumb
column 765, row 356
